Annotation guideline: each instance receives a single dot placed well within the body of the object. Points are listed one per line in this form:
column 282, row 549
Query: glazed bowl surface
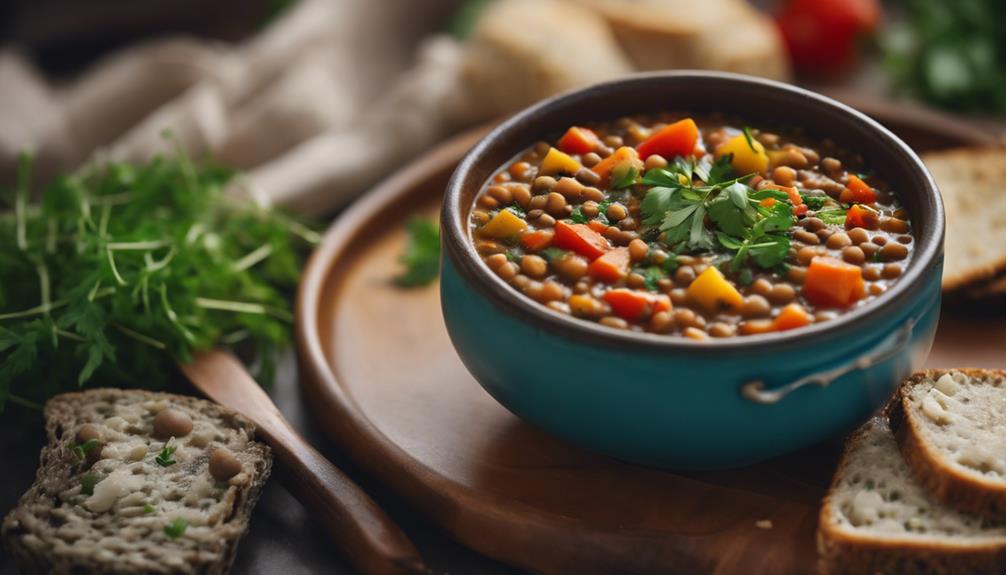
column 669, row 401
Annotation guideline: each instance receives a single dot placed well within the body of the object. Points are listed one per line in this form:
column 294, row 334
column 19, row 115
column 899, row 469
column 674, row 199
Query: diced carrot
column 756, row 326
column 832, row 282
column 537, row 240
column 578, row 140
column 677, row 139
column 662, row 302
column 791, row 317
column 611, row 267
column 767, row 202
column 862, row 193
column 630, row 305
column 581, row 239
column 861, row 217
column 604, row 167
column 597, row 225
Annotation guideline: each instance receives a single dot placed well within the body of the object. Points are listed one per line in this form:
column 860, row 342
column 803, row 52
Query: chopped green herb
column 749, row 139
column 122, row 269
column 176, row 528
column 81, row 449
column 148, row 508
column 421, row 257
column 876, row 257
column 164, row 458
column 814, row 202
column 513, row 255
column 746, row 277
column 832, row 216
column 652, row 275
column 552, row 254
column 577, row 216
column 87, row 483
column 626, row 178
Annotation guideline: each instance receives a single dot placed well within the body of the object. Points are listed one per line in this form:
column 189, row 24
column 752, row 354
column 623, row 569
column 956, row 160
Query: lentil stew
column 697, row 227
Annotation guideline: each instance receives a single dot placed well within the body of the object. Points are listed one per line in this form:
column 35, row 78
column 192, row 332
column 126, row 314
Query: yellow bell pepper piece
column 556, row 162
column 748, row 158
column 713, row 292
column 505, row 224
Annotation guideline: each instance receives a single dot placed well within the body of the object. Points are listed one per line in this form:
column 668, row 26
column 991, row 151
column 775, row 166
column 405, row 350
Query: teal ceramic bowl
column 673, row 402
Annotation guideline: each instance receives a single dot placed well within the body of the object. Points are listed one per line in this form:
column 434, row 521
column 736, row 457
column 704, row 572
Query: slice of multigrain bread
column 878, row 519
column 951, row 425
column 138, row 482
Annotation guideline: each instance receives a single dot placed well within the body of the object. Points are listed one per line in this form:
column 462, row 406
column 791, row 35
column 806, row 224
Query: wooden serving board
column 379, row 370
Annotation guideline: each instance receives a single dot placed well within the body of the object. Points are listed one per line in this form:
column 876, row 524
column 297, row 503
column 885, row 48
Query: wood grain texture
column 384, row 381
column 362, row 531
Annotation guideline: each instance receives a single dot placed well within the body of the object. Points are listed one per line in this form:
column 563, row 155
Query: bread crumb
column 763, row 524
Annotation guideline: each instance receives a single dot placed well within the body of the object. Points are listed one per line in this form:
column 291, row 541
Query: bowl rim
column 463, row 255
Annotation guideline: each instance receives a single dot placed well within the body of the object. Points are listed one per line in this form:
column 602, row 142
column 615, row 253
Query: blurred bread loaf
column 137, row 482
column 970, row 181
column 728, row 35
column 522, row 51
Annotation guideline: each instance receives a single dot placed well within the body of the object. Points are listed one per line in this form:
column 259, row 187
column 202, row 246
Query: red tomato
column 821, row 34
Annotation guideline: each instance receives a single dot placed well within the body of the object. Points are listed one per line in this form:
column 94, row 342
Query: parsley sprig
column 421, row 257
column 81, row 449
column 164, row 457
column 176, row 528
column 122, row 269
column 738, row 221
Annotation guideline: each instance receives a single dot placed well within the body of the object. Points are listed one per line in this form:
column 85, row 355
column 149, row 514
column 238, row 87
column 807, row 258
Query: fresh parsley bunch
column 740, row 223
column 121, row 270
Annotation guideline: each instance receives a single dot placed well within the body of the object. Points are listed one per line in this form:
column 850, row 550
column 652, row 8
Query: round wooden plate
column 384, row 381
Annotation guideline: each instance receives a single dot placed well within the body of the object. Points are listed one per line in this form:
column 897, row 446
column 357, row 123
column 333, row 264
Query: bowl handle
column 755, row 391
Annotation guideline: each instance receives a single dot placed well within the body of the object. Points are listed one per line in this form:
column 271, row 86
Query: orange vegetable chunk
column 714, row 292
column 861, row 192
column 791, row 317
column 612, row 267
column 578, row 140
column 677, row 139
column 581, row 239
column 628, row 304
column 861, row 217
column 604, row 167
column 831, row 282
column 537, row 240
column 558, row 162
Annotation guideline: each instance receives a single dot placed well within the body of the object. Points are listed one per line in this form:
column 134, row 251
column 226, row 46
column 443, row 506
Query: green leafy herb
column 577, row 216
column 552, row 254
column 176, row 528
column 749, row 139
column 123, row 269
column 952, row 54
column 164, row 457
column 421, row 257
column 832, row 216
column 814, row 202
column 148, row 508
column 626, row 178
column 87, row 483
column 81, row 449
column 652, row 275
column 517, row 211
column 513, row 255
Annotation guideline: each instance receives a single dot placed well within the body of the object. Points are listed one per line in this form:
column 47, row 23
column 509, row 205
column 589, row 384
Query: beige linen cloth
column 335, row 95
column 313, row 109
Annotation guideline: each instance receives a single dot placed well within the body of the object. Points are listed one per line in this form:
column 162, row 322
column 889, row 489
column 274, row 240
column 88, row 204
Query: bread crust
column 948, row 484
column 841, row 552
column 57, row 465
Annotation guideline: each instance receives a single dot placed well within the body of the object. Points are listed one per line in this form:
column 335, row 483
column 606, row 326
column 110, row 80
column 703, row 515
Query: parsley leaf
column 552, row 254
column 81, row 449
column 421, row 257
column 814, row 202
column 720, row 171
column 148, row 508
column 87, row 483
column 176, row 528
column 749, row 139
column 833, row 216
column 624, row 178
column 651, row 276
column 164, row 458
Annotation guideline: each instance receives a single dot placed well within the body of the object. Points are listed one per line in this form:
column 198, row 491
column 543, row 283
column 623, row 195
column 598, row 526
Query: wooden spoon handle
column 360, row 529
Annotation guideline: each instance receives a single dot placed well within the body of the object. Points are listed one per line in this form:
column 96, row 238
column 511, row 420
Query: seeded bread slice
column 970, row 181
column 952, row 431
column 878, row 519
column 141, row 516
